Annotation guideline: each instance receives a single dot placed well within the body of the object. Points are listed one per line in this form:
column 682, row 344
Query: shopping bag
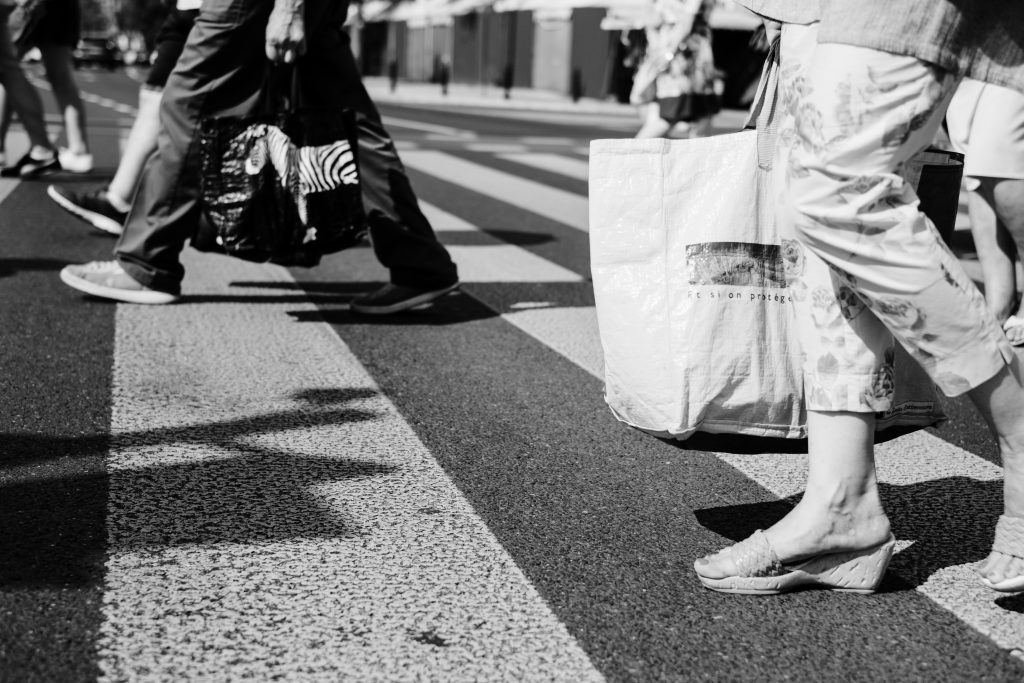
column 936, row 174
column 695, row 317
column 280, row 186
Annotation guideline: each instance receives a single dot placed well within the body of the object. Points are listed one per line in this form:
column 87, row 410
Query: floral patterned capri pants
column 864, row 263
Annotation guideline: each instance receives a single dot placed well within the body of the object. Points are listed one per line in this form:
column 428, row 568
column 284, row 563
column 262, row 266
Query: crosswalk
column 279, row 507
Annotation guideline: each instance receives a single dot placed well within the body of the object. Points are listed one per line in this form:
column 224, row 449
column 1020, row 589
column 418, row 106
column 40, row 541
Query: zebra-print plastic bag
column 282, row 187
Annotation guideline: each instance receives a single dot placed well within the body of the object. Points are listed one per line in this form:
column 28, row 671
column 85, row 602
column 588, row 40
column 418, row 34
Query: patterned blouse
column 981, row 39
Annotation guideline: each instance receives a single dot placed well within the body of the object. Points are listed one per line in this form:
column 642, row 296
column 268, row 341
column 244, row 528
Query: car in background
column 96, row 51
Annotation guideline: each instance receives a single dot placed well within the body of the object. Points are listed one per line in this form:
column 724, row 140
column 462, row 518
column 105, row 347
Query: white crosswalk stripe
column 322, row 535
column 558, row 205
column 556, row 163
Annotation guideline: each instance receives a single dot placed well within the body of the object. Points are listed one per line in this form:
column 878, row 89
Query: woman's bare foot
column 1013, row 327
column 999, row 567
column 814, row 527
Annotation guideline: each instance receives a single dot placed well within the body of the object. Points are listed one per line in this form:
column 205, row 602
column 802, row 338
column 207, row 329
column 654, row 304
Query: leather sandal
column 759, row 571
column 1009, row 541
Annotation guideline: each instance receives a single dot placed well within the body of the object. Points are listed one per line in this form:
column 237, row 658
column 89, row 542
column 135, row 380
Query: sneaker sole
column 33, row 173
column 96, row 220
column 150, row 296
column 415, row 301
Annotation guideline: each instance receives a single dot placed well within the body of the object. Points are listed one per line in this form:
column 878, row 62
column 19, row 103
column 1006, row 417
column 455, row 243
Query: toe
column 998, row 567
column 715, row 566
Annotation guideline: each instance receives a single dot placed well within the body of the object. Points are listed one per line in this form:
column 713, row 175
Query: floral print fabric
column 862, row 261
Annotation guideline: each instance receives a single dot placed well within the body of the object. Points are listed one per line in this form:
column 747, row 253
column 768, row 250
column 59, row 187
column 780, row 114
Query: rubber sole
column 1014, row 585
column 131, row 296
column 97, row 220
column 405, row 304
column 775, row 585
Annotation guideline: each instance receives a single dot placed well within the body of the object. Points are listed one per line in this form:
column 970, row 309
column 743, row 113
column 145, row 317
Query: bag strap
column 762, row 115
column 281, row 92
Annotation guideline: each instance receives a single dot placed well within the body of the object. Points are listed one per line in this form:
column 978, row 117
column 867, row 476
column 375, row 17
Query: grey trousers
column 221, row 72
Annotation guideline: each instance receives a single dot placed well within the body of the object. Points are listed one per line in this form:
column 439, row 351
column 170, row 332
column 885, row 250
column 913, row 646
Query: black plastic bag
column 281, row 188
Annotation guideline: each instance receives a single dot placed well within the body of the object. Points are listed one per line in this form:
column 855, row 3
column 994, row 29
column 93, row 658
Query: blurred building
column 566, row 46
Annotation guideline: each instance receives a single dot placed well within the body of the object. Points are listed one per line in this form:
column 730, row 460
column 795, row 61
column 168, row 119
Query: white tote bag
column 695, row 317
column 689, row 281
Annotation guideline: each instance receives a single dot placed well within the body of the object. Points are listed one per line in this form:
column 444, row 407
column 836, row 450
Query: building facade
column 566, row 46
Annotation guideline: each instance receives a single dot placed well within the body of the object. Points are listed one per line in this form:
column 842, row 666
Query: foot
column 811, row 530
column 107, row 280
column 29, row 166
column 1003, row 569
column 395, row 298
column 999, row 569
column 74, row 162
column 758, row 570
column 1014, row 329
column 93, row 207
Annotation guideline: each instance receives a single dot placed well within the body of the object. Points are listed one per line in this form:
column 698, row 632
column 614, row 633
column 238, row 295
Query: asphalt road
column 256, row 483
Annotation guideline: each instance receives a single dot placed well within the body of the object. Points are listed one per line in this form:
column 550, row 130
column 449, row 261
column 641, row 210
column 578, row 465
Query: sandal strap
column 755, row 557
column 1009, row 536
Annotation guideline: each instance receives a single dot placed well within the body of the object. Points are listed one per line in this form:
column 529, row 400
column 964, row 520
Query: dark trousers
column 221, row 72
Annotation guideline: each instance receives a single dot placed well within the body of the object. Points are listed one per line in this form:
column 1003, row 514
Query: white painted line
column 536, row 140
column 577, row 169
column 496, row 148
column 558, row 205
column 497, row 262
column 119, row 107
column 446, row 131
column 442, row 220
column 17, row 145
column 571, row 331
column 271, row 514
column 7, row 186
column 507, row 263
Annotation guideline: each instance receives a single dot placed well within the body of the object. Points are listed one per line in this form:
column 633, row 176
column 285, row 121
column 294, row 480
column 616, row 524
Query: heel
column 858, row 571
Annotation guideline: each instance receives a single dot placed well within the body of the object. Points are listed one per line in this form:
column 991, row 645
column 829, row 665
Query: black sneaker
column 27, row 167
column 395, row 298
column 92, row 207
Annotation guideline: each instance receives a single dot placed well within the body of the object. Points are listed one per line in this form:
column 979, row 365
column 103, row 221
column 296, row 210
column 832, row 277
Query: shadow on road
column 12, row 266
column 231, row 489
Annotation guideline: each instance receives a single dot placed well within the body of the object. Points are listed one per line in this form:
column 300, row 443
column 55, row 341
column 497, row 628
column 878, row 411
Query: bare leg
column 1008, row 199
column 140, row 145
column 20, row 96
column 654, row 126
column 840, row 509
column 1001, row 402
column 690, row 130
column 3, row 125
column 60, row 74
column 996, row 252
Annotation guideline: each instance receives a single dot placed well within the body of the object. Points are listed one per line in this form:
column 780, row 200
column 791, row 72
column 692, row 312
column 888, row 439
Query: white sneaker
column 107, row 280
column 75, row 162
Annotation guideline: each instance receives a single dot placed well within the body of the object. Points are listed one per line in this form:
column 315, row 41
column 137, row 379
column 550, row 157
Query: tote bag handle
column 762, row 115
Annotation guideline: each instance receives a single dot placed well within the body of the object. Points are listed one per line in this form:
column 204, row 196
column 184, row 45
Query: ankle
column 40, row 153
column 117, row 202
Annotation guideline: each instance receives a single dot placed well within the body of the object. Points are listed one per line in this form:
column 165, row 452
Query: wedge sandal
column 1009, row 541
column 761, row 573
